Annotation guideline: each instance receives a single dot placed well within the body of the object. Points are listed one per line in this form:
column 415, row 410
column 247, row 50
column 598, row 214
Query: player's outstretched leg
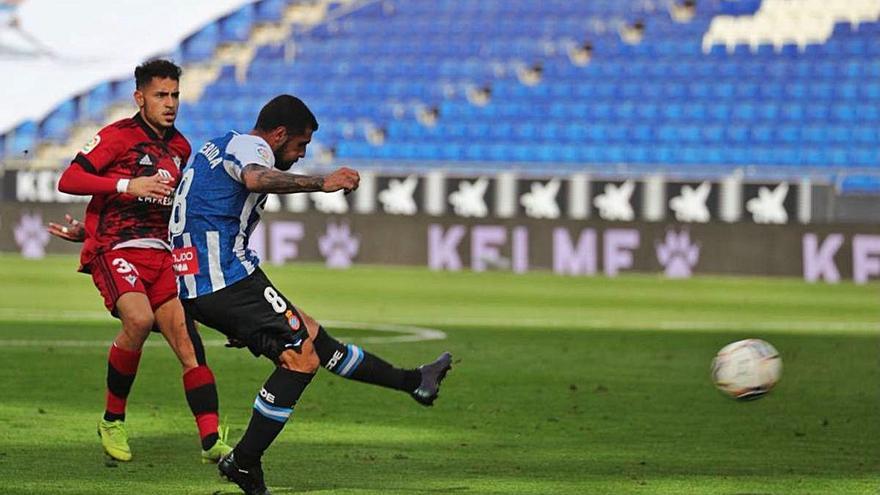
column 198, row 380
column 272, row 408
column 350, row 361
column 432, row 374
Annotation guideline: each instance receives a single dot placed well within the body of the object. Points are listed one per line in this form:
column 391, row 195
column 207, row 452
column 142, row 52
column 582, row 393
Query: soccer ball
column 746, row 369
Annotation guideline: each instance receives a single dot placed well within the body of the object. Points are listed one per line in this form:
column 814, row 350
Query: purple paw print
column 31, row 236
column 338, row 245
column 678, row 254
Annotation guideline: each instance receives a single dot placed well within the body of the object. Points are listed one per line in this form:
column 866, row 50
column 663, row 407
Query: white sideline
column 669, row 325
column 410, row 325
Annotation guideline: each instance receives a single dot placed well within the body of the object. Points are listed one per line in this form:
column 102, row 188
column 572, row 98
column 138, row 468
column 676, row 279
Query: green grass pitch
column 560, row 386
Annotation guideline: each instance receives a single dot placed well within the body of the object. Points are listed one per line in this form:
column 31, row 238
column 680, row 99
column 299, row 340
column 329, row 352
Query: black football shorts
column 251, row 311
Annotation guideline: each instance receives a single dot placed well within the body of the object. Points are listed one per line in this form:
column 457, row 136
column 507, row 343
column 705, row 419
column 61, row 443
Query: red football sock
column 201, row 395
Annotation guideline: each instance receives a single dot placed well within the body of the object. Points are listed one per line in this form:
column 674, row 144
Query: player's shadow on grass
column 301, row 465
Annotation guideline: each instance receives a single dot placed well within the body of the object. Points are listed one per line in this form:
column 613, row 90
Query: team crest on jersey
column 292, row 320
column 92, row 144
column 131, row 279
column 176, row 161
column 263, row 152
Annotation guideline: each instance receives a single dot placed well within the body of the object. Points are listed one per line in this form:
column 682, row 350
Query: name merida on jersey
column 212, row 154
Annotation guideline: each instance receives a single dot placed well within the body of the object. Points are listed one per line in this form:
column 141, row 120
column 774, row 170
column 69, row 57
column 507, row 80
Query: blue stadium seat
column 23, row 140
column 56, row 125
column 236, row 27
column 269, row 10
column 860, row 184
column 200, row 45
column 94, row 104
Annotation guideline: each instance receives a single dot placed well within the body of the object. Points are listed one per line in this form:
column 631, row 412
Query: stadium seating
column 21, row 141
column 669, row 101
column 236, row 27
column 558, row 85
column 860, row 184
column 201, row 45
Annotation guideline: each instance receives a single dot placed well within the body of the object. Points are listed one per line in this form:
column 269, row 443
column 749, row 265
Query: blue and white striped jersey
column 214, row 214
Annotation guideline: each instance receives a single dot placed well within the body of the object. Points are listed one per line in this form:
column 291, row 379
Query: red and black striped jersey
column 127, row 149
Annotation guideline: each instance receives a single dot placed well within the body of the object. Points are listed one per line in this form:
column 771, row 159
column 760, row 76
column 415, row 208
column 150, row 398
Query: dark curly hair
column 288, row 111
column 161, row 68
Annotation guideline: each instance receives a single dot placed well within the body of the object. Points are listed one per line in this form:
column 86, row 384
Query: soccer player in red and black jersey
column 130, row 169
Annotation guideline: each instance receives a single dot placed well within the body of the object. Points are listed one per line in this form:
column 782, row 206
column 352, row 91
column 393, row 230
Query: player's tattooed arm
column 257, row 178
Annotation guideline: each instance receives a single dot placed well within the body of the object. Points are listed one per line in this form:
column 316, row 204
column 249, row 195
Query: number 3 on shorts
column 277, row 302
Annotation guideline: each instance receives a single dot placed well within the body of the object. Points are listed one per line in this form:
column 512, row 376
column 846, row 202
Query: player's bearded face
column 292, row 150
column 159, row 101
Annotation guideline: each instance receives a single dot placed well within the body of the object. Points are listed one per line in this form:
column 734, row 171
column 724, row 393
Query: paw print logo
column 338, row 245
column 31, row 236
column 678, row 254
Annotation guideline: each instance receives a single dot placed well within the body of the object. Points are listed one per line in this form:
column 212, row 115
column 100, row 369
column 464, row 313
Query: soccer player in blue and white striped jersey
column 218, row 203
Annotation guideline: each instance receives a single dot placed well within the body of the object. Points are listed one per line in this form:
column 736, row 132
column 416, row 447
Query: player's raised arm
column 279, row 139
column 76, row 180
column 258, row 178
column 85, row 175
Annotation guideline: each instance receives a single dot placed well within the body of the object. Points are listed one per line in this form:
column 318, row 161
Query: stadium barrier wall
column 576, row 196
column 589, row 247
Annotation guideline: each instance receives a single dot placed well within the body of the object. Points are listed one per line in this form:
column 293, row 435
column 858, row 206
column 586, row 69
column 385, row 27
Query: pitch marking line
column 659, row 325
column 405, row 333
column 26, row 315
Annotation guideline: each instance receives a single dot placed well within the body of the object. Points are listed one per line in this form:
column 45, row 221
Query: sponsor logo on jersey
column 146, row 161
column 166, row 201
column 185, row 261
column 292, row 320
column 92, row 144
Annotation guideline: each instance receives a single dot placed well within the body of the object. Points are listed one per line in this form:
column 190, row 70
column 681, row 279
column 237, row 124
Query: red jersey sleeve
column 83, row 177
column 75, row 180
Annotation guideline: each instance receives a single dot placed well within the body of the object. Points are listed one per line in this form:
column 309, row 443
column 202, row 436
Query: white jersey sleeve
column 244, row 150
